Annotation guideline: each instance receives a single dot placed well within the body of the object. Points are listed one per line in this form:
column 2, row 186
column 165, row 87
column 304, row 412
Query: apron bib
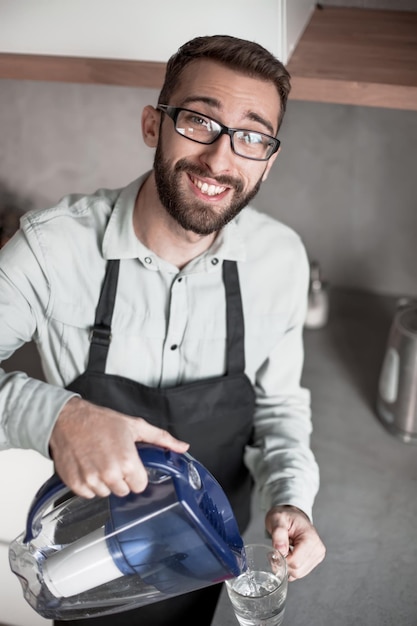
column 214, row 415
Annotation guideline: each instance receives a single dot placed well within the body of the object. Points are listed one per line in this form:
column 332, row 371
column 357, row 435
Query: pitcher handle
column 151, row 456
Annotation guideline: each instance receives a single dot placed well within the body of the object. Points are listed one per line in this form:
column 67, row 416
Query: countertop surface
column 366, row 510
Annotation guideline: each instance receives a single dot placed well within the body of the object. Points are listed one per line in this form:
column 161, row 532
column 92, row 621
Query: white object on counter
column 318, row 299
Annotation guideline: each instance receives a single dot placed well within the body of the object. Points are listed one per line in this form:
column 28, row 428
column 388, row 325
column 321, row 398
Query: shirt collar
column 120, row 241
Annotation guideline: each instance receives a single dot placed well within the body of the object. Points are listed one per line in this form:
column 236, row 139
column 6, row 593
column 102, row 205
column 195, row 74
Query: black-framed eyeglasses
column 249, row 144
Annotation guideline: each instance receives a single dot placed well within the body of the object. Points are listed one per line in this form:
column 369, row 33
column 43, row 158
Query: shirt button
column 174, row 346
column 179, row 280
column 148, row 260
column 214, row 261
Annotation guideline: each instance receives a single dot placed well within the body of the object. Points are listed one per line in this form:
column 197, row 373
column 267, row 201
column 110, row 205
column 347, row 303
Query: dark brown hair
column 244, row 56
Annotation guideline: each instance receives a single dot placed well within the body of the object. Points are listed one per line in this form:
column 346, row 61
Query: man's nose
column 218, row 156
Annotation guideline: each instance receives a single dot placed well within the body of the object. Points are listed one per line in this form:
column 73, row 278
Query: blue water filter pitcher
column 85, row 558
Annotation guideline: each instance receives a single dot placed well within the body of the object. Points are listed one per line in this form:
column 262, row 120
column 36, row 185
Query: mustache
column 192, row 168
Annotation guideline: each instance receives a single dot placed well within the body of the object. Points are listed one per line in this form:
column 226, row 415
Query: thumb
column 146, row 432
column 280, row 539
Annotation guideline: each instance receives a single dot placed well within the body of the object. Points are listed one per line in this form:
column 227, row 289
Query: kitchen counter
column 366, row 510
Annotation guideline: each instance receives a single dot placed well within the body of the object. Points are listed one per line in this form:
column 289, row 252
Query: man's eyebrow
column 213, row 102
column 258, row 118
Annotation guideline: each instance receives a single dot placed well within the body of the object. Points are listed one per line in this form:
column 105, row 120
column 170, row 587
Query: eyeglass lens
column 249, row 144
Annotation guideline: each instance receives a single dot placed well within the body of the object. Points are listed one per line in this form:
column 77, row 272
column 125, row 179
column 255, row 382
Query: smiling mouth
column 206, row 189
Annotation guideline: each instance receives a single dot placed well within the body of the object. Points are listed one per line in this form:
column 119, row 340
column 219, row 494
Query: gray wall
column 346, row 178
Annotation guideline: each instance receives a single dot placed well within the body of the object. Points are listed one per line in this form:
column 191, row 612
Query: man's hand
column 94, row 449
column 296, row 538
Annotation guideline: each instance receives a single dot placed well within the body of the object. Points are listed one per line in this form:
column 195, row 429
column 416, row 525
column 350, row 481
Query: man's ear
column 270, row 164
column 150, row 126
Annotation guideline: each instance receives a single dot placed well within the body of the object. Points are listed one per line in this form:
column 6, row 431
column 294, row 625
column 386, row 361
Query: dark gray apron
column 214, row 415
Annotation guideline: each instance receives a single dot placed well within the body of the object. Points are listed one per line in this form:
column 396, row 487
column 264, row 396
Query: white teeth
column 209, row 190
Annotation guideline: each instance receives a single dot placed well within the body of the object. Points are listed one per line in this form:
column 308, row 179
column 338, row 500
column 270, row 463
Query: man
column 174, row 302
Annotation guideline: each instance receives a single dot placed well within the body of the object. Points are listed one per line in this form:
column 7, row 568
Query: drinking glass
column 258, row 595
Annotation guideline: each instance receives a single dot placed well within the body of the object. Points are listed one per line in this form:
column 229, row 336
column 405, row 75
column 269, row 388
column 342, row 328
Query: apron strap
column 235, row 327
column 100, row 335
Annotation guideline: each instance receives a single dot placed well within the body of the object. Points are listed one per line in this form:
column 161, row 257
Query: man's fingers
column 304, row 558
column 296, row 538
column 134, row 476
column 158, row 436
column 94, row 449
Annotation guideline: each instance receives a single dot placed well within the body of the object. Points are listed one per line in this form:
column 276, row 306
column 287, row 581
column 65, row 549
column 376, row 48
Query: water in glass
column 258, row 598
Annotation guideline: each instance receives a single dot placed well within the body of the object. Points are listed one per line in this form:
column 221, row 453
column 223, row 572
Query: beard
column 196, row 215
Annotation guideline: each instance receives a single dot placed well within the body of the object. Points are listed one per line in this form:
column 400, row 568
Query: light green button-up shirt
column 50, row 279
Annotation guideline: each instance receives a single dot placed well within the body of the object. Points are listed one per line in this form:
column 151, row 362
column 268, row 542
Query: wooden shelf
column 345, row 56
column 357, row 56
column 82, row 70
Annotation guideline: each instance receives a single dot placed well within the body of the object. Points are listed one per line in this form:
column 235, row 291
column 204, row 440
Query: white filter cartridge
column 83, row 565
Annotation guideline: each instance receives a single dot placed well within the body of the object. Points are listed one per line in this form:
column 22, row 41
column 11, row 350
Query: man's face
column 204, row 186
